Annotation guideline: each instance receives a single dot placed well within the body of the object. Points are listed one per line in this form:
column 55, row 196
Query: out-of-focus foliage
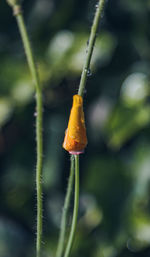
column 114, row 216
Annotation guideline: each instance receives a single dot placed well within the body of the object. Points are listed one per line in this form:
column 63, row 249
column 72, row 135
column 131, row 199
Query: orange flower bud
column 75, row 136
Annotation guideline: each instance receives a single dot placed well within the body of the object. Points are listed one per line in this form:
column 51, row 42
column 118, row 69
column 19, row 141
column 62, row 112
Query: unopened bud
column 75, row 137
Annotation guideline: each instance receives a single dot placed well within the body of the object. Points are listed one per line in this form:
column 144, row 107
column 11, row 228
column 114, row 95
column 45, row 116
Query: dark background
column 114, row 215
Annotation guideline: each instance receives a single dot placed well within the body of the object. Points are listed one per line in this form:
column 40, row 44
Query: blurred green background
column 114, row 215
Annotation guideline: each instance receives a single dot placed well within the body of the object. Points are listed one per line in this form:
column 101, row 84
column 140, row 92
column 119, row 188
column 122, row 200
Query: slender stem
column 90, row 47
column 75, row 211
column 28, row 50
column 84, row 75
column 61, row 241
column 39, row 121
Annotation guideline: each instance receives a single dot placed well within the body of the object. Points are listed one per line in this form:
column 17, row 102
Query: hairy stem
column 90, row 47
column 75, row 211
column 84, row 75
column 39, row 120
column 61, row 241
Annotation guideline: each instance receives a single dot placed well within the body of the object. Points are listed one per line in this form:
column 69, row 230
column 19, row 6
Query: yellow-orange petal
column 75, row 137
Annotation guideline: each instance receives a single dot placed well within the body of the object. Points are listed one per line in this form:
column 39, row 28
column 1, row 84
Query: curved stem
column 39, row 121
column 75, row 211
column 28, row 51
column 61, row 241
column 90, row 47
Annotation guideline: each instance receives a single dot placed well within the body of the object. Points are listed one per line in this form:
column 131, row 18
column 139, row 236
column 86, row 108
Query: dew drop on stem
column 89, row 73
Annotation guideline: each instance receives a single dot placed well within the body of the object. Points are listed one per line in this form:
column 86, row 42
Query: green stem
column 28, row 50
column 76, row 207
column 39, row 121
column 84, row 75
column 90, row 47
column 61, row 241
